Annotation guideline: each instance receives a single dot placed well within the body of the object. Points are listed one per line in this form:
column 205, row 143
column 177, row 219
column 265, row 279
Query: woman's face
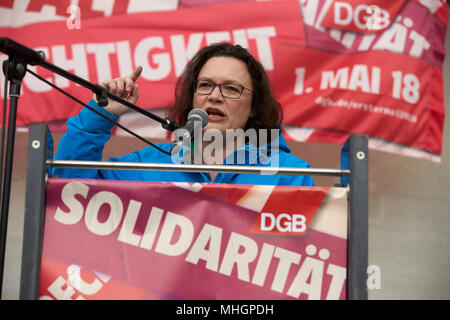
column 225, row 113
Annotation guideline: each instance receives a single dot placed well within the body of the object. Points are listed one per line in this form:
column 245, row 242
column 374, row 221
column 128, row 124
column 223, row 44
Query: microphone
column 185, row 134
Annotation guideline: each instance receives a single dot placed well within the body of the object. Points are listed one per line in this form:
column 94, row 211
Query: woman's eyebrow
column 223, row 82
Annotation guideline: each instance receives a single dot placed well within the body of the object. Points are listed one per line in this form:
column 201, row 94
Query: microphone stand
column 16, row 72
column 15, row 69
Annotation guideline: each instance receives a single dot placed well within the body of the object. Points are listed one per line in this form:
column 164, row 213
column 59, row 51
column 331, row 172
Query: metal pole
column 34, row 213
column 195, row 168
column 16, row 72
column 357, row 243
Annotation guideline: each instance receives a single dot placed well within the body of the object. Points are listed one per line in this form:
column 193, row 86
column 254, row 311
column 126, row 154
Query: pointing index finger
column 136, row 73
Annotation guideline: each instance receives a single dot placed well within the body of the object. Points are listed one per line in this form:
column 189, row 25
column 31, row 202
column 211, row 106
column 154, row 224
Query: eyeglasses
column 228, row 90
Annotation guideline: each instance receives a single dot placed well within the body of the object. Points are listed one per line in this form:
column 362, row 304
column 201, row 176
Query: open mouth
column 215, row 113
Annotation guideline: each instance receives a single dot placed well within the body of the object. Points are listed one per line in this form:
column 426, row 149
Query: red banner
column 135, row 240
column 337, row 67
column 361, row 15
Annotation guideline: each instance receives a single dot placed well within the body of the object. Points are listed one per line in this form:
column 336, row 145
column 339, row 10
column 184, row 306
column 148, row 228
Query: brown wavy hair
column 266, row 111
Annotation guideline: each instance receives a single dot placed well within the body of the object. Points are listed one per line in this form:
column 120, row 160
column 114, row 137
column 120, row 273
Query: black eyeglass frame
column 220, row 88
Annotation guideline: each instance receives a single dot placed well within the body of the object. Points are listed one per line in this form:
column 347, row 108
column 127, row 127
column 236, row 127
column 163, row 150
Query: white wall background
column 409, row 213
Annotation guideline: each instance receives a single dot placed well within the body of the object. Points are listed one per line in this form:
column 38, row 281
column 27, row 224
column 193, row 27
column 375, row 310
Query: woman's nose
column 216, row 94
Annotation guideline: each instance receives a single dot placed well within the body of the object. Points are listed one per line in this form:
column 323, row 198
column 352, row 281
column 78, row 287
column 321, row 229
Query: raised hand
column 125, row 88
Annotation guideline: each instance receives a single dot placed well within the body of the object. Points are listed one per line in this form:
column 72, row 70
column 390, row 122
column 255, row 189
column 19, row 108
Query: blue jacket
column 87, row 134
